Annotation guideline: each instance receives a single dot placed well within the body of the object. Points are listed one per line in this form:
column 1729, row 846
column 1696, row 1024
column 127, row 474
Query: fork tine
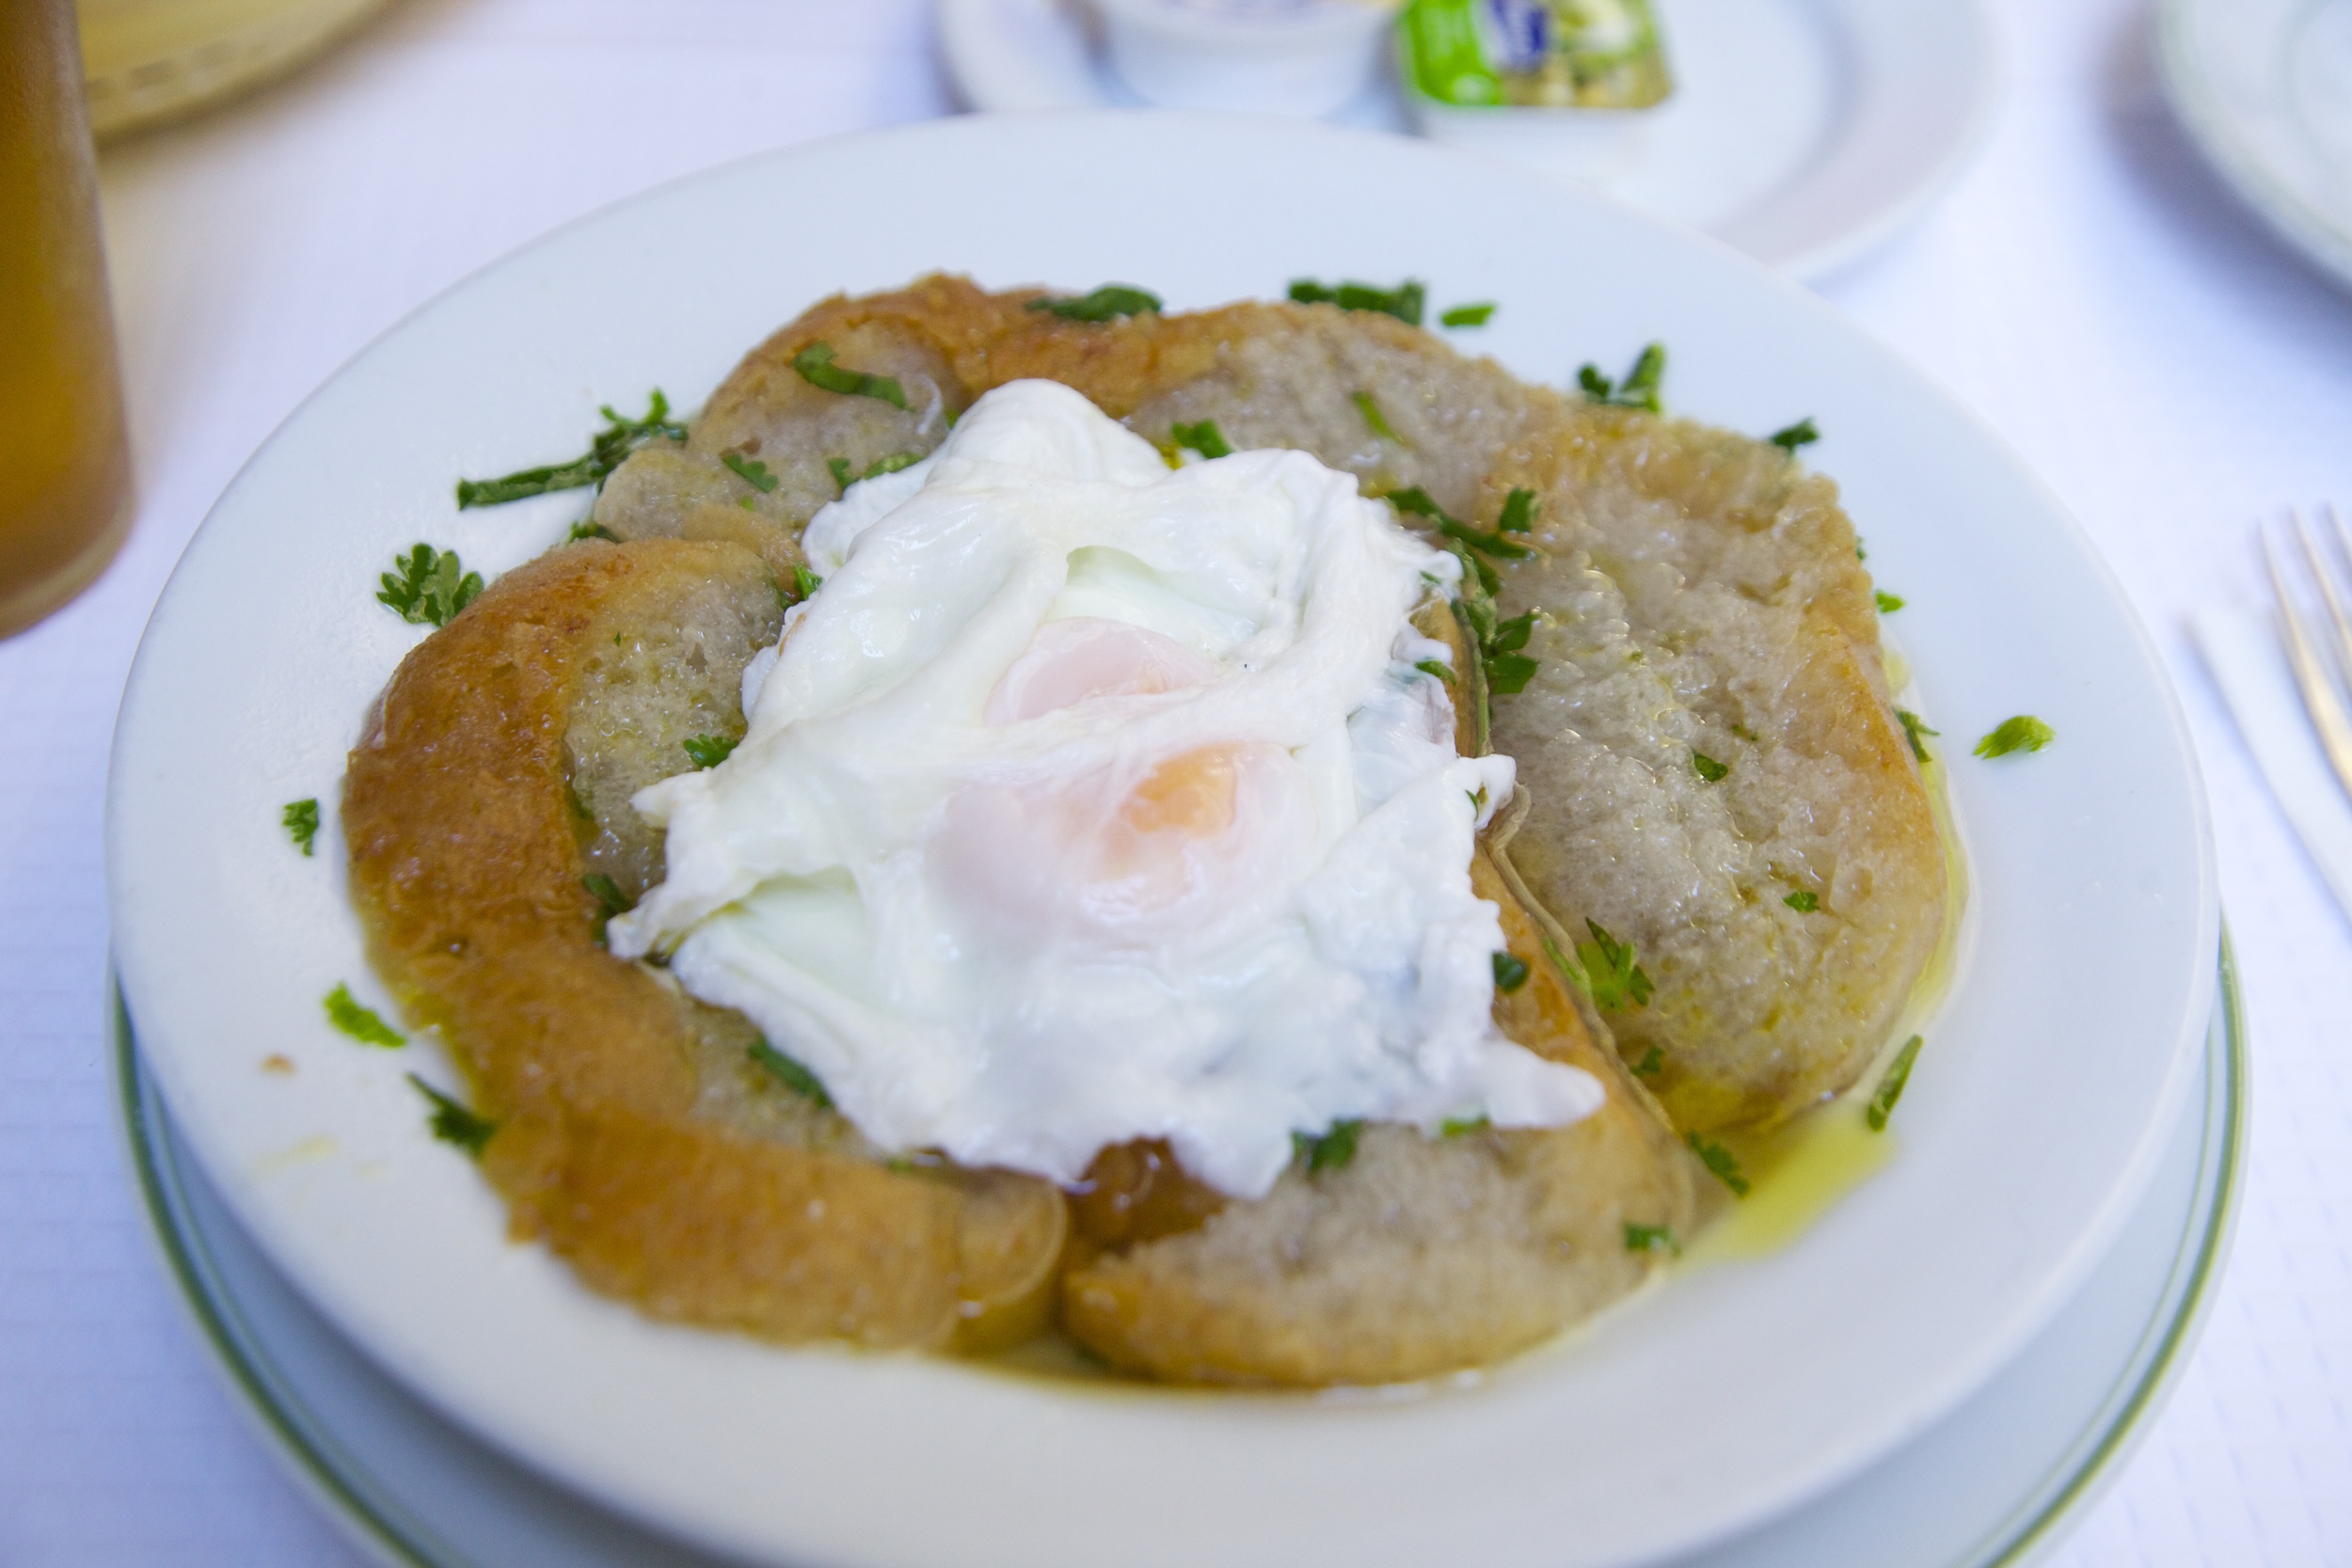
column 2319, row 692
column 2326, row 581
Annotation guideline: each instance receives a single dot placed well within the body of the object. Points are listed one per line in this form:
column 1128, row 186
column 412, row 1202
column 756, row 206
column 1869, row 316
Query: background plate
column 2265, row 87
column 2050, row 1084
column 1803, row 132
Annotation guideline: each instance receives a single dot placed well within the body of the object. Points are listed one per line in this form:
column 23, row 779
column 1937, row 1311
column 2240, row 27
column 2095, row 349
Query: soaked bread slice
column 634, row 1134
column 1419, row 1254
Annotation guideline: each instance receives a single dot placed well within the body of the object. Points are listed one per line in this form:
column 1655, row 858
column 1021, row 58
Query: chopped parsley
column 1405, row 302
column 301, row 818
column 1511, row 973
column 843, row 475
column 2023, row 732
column 1720, row 1161
column 1507, row 675
column 1416, row 501
column 805, row 581
column 791, row 1074
column 1708, row 767
column 1913, row 727
column 1802, row 434
column 1804, row 901
column 1110, row 300
column 1334, row 1148
column 1375, row 421
column 1518, row 513
column 1639, row 390
column 1890, row 1088
column 610, row 899
column 1469, row 315
column 1653, row 1062
column 1888, row 603
column 1605, row 969
column 1651, row 1238
column 588, row 527
column 1202, row 436
column 607, row 449
column 360, row 1024
column 1455, row 1127
column 428, row 586
column 751, row 470
column 1431, row 667
column 817, row 367
column 452, row 1123
column 709, row 751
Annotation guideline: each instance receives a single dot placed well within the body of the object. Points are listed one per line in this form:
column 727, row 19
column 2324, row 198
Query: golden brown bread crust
column 636, row 1140
column 466, row 863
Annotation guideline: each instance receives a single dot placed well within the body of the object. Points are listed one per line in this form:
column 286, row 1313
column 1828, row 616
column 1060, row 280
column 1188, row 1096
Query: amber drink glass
column 64, row 471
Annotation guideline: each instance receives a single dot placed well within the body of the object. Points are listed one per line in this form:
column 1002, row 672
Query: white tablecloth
column 2089, row 287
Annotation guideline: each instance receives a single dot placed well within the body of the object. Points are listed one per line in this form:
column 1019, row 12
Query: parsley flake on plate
column 791, row 1074
column 1375, row 421
column 1110, row 300
column 1334, row 1148
column 1511, row 973
column 1639, row 390
column 817, row 367
column 301, row 819
column 361, row 1023
column 1605, row 969
column 709, row 751
column 1455, row 1127
column 1469, row 315
column 1913, row 727
column 1708, row 767
column 1518, row 513
column 1721, row 1163
column 2023, row 732
column 1888, row 603
column 751, row 470
column 805, row 581
column 1651, row 1238
column 1802, row 434
column 1405, row 302
column 1804, row 901
column 607, row 449
column 452, row 1123
column 1202, row 436
column 428, row 587
column 1890, row 1088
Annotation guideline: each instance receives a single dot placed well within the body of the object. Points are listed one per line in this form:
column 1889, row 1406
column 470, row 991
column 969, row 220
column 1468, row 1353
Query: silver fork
column 2323, row 695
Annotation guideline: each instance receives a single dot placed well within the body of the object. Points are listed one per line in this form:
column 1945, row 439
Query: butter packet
column 1534, row 54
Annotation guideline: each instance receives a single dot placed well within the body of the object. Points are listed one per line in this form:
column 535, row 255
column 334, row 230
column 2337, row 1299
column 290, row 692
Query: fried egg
column 1090, row 800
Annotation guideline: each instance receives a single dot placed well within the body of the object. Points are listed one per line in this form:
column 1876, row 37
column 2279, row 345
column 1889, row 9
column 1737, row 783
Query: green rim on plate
column 339, row 1480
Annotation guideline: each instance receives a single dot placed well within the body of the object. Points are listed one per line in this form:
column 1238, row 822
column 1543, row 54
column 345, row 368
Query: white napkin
column 2245, row 656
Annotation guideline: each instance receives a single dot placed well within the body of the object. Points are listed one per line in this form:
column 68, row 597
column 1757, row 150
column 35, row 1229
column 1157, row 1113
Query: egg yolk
column 1105, row 850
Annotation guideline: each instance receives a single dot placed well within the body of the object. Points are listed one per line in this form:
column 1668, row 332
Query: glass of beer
column 65, row 465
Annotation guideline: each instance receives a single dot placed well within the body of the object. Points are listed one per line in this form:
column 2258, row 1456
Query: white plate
column 2265, row 88
column 2050, row 1084
column 1991, row 1486
column 1803, row 132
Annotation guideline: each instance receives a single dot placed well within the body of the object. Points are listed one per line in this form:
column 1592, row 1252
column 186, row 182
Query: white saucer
column 1803, row 131
column 1992, row 1485
column 2265, row 88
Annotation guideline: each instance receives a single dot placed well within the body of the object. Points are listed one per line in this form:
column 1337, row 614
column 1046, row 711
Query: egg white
column 1088, row 801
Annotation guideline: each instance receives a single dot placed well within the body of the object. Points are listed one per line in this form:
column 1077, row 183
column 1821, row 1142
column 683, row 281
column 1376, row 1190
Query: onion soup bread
column 1095, row 911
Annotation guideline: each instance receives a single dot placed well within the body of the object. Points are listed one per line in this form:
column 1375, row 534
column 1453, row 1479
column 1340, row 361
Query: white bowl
column 1303, row 59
